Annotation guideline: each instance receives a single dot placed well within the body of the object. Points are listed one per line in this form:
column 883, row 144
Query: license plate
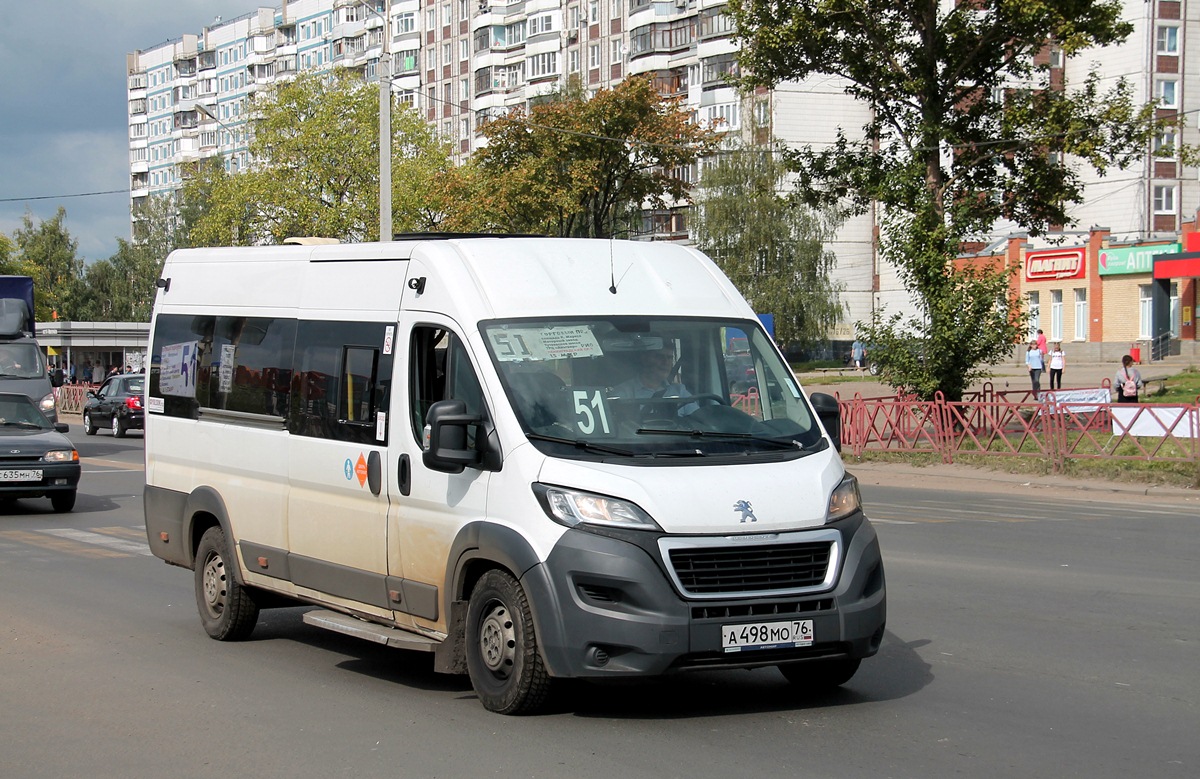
column 22, row 475
column 767, row 635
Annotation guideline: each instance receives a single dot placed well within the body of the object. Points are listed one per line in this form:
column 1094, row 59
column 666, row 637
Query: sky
column 63, row 106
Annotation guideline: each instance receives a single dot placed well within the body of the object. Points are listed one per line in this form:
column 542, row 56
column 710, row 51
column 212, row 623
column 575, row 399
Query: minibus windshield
column 651, row 387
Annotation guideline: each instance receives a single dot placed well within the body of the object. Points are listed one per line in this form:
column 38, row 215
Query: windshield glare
column 642, row 386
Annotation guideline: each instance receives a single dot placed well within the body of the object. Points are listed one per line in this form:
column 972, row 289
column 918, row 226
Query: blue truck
column 23, row 368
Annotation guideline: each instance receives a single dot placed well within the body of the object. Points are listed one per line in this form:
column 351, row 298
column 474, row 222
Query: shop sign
column 1052, row 264
column 1133, row 259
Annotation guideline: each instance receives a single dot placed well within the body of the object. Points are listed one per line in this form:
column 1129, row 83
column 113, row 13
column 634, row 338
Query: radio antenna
column 612, row 274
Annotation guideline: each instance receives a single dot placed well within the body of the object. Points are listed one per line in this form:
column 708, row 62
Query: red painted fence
column 1017, row 424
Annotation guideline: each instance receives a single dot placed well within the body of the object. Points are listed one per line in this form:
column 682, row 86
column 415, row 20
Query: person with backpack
column 1128, row 381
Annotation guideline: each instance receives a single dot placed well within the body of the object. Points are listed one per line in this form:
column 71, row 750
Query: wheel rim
column 498, row 641
column 213, row 585
column 87, row 420
column 116, row 424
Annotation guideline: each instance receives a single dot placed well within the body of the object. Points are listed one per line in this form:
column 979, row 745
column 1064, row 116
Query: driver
column 653, row 377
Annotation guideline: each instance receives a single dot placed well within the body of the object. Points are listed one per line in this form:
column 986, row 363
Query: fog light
column 598, row 656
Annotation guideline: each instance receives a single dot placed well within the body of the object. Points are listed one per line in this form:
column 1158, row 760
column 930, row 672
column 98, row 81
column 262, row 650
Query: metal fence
column 1019, row 424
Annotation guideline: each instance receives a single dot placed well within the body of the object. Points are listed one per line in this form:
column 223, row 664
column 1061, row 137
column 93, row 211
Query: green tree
column 574, row 166
column 49, row 254
column 314, row 142
column 965, row 129
column 9, row 265
column 771, row 246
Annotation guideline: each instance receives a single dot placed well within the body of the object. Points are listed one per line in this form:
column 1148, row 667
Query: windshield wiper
column 790, row 443
column 28, row 425
column 580, row 443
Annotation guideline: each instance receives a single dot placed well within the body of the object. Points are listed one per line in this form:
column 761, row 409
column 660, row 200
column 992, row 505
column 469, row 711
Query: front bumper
column 605, row 606
column 56, row 477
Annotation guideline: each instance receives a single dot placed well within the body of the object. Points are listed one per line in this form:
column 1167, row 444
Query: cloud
column 63, row 126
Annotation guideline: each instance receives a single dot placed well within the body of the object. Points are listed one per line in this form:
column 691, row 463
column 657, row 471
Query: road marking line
column 892, row 521
column 58, row 544
column 86, row 537
column 132, row 533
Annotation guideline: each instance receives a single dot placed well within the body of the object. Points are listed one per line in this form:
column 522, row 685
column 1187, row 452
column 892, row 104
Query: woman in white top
column 1033, row 360
column 1058, row 361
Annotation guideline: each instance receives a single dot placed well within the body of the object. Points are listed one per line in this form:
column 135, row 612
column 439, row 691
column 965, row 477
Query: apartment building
column 461, row 62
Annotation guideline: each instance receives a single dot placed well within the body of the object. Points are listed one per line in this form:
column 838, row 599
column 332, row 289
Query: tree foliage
column 314, row 142
column 47, row 252
column 574, row 166
column 771, row 246
column 964, row 130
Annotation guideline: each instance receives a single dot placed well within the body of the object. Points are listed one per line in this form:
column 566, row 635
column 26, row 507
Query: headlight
column 61, row 456
column 46, row 404
column 844, row 501
column 573, row 507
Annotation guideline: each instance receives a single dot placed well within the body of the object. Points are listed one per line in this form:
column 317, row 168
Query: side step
column 379, row 634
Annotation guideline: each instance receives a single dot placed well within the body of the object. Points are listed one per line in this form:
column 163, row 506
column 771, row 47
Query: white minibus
column 536, row 458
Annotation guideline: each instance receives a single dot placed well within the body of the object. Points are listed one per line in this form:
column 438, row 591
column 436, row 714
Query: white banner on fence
column 1155, row 421
column 1098, row 397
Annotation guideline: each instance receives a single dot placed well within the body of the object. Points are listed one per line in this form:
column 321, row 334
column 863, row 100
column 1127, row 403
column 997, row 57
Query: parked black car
column 36, row 459
column 117, row 405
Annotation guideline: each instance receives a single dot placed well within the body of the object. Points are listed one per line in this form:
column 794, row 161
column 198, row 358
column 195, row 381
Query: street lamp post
column 385, row 128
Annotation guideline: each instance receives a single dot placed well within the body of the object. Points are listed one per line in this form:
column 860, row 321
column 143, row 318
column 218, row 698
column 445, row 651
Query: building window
column 1145, row 307
column 1035, row 314
column 1167, row 92
column 1176, row 319
column 594, row 11
column 1056, row 315
column 1167, row 39
column 405, row 22
column 543, row 64
column 573, row 61
column 1081, row 315
column 1164, row 199
column 1164, row 145
column 594, row 55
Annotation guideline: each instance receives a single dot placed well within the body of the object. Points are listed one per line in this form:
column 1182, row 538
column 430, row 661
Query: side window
column 339, row 388
column 440, row 369
column 244, row 353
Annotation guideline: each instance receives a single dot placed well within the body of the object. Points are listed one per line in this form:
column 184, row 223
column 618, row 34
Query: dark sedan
column 36, row 459
column 117, row 405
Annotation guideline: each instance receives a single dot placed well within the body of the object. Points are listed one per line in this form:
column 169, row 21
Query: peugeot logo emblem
column 747, row 511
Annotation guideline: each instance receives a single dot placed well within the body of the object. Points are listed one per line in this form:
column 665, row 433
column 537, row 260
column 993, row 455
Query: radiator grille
column 750, row 569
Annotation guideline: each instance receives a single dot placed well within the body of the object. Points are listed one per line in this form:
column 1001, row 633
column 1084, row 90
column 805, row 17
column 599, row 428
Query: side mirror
column 56, row 377
column 445, row 444
column 830, row 414
column 62, row 427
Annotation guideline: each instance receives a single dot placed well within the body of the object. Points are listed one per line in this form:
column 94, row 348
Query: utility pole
column 385, row 127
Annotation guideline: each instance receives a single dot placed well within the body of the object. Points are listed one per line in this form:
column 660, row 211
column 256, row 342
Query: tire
column 821, row 675
column 88, row 427
column 227, row 610
column 62, row 501
column 503, row 661
column 118, row 427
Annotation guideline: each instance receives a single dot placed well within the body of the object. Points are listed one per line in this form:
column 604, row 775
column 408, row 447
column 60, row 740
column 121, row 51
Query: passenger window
column 440, row 369
column 340, row 385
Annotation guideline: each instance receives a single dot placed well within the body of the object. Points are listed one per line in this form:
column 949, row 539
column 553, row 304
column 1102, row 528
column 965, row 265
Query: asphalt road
column 1028, row 636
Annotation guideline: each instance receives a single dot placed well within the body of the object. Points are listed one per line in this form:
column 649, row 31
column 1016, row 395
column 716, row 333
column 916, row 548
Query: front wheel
column 63, row 501
column 89, row 427
column 227, row 610
column 821, row 675
column 506, row 669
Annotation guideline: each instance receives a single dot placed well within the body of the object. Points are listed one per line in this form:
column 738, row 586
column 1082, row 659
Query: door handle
column 404, row 474
column 374, row 472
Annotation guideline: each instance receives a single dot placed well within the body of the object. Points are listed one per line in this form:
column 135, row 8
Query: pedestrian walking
column 1058, row 361
column 858, row 354
column 1041, row 344
column 1128, row 381
column 1035, row 363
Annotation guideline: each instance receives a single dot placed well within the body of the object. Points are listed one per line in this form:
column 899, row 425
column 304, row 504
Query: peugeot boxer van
column 535, row 458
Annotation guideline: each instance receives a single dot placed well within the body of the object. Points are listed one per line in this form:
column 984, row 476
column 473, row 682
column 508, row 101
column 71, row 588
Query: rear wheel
column 118, row 427
column 227, row 610
column 820, row 675
column 89, row 427
column 63, row 501
column 502, row 654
